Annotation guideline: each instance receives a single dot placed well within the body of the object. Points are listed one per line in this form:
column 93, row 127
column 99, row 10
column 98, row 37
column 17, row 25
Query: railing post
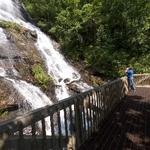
column 72, row 139
column 78, row 123
column 21, row 146
column 33, row 146
column 43, row 134
column 3, row 138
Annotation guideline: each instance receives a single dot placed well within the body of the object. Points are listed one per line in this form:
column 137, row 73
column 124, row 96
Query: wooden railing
column 71, row 121
column 142, row 79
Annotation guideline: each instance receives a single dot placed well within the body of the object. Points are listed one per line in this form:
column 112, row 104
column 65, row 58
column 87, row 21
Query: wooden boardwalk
column 127, row 127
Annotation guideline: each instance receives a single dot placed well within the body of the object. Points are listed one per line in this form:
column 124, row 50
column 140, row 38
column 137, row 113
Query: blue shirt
column 130, row 73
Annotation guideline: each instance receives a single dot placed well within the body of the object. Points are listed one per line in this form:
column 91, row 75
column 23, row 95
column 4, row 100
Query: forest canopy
column 106, row 35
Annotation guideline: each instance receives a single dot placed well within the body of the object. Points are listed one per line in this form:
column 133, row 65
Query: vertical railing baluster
column 81, row 98
column 72, row 140
column 107, row 99
column 97, row 111
column 72, row 127
column 3, row 138
column 66, row 124
column 97, row 108
column 59, row 130
column 87, row 116
column 104, row 101
column 52, row 132
column 21, row 138
column 102, row 105
column 110, row 97
column 90, row 114
column 33, row 135
column 92, row 108
column 43, row 134
column 78, row 123
column 98, row 105
column 84, row 119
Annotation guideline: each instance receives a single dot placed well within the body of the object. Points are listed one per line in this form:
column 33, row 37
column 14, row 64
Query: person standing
column 130, row 78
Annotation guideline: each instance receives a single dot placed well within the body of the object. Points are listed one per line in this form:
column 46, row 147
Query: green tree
column 107, row 35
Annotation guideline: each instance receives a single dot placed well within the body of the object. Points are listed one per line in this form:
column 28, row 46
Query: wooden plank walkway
column 128, row 127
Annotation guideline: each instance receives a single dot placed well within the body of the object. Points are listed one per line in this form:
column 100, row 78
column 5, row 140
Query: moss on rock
column 10, row 25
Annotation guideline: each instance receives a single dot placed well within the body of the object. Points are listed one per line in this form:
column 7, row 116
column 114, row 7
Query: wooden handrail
column 82, row 113
column 142, row 79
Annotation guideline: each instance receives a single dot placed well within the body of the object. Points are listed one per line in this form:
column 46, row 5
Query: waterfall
column 9, row 10
column 57, row 67
column 33, row 95
column 56, row 64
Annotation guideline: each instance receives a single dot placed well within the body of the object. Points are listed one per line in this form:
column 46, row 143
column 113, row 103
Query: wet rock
column 66, row 80
column 60, row 80
column 8, row 95
column 9, row 72
column 9, row 37
column 75, row 76
column 31, row 35
column 3, row 57
column 56, row 45
column 17, row 57
column 9, row 107
column 73, row 88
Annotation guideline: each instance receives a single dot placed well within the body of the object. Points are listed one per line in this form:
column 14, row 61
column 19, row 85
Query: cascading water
column 7, row 53
column 9, row 11
column 32, row 96
column 57, row 66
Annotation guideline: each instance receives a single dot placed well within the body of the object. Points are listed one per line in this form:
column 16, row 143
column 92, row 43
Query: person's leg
column 129, row 84
column 133, row 87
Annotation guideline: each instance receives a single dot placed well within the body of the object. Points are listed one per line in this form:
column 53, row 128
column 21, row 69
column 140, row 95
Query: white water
column 9, row 11
column 33, row 97
column 6, row 66
column 2, row 72
column 32, row 94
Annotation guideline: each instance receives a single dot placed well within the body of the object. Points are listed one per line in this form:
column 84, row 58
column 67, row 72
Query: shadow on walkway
column 127, row 128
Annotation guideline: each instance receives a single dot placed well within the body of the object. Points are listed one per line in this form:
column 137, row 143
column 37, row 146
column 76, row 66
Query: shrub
column 40, row 76
column 10, row 25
